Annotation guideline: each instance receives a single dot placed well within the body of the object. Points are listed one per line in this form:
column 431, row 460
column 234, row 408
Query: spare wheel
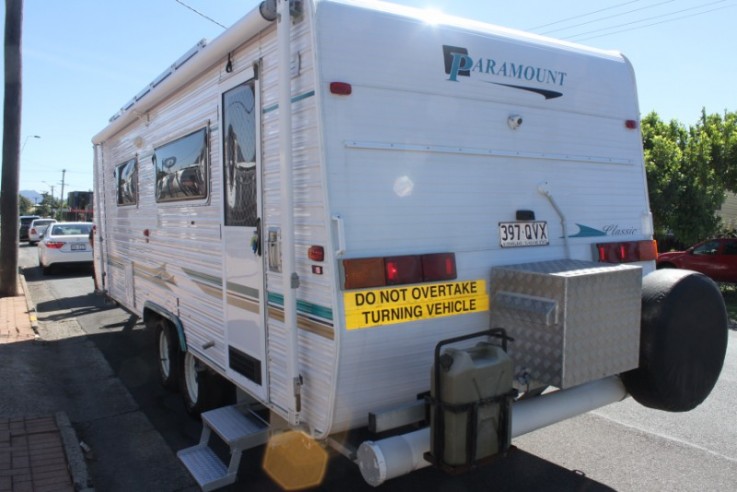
column 683, row 341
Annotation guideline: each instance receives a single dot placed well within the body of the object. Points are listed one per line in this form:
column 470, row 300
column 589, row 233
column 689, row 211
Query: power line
column 180, row 2
column 656, row 23
column 582, row 15
column 609, row 17
column 660, row 19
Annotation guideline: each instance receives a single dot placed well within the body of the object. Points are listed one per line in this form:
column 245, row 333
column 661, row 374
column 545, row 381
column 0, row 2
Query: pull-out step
column 239, row 428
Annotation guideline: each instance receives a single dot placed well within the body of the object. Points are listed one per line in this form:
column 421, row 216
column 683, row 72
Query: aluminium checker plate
column 572, row 321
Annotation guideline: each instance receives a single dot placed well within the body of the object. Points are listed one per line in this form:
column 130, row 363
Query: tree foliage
column 25, row 206
column 689, row 170
column 48, row 207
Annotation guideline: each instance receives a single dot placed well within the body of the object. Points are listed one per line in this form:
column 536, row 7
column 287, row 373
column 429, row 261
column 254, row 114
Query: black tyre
column 683, row 341
column 168, row 355
column 201, row 388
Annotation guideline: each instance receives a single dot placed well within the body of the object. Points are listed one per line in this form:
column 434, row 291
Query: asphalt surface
column 99, row 368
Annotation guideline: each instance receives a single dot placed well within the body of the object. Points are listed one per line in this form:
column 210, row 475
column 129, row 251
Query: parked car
column 37, row 229
column 65, row 243
column 716, row 258
column 25, row 224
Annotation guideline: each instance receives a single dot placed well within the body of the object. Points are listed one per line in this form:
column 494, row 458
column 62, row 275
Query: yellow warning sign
column 376, row 307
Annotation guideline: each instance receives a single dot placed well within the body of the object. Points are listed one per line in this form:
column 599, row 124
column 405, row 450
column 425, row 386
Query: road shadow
column 61, row 271
column 72, row 307
column 79, row 305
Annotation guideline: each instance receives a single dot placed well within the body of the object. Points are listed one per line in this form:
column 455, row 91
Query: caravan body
column 314, row 211
column 438, row 148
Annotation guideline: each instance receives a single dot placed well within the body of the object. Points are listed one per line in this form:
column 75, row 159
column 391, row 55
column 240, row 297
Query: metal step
column 240, row 429
column 206, row 468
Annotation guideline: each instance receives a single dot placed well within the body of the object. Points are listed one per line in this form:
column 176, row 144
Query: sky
column 84, row 59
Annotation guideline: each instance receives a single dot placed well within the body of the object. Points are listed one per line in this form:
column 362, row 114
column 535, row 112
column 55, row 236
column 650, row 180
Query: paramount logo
column 458, row 63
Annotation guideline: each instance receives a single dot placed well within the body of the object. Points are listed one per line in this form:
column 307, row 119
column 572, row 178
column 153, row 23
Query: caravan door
column 243, row 263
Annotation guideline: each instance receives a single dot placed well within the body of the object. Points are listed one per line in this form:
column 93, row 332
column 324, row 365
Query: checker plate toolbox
column 572, row 321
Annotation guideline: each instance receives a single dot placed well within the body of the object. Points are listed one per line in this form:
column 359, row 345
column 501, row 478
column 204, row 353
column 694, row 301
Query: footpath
column 38, row 452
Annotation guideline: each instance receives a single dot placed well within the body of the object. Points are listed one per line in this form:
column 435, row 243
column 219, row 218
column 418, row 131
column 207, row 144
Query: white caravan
column 337, row 206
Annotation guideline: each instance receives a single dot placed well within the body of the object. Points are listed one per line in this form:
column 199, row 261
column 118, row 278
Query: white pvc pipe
column 393, row 457
column 551, row 408
column 396, row 456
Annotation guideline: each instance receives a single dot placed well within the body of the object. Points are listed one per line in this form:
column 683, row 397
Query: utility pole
column 11, row 150
column 63, row 172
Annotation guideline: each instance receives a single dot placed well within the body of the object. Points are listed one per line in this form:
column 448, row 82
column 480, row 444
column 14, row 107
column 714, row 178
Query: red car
column 716, row 258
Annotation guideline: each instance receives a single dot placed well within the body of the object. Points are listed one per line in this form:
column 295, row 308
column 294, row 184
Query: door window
column 239, row 156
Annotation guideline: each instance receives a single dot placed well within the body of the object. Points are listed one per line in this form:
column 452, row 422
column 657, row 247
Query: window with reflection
column 126, row 181
column 239, row 156
column 181, row 168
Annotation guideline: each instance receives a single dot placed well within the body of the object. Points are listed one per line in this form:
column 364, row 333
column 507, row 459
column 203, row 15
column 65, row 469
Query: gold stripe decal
column 303, row 322
column 243, row 303
column 388, row 306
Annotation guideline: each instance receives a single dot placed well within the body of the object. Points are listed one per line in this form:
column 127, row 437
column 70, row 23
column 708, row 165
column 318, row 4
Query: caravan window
column 126, row 179
column 181, row 168
column 239, row 156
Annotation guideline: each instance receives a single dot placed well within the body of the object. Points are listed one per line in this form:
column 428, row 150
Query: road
column 139, row 427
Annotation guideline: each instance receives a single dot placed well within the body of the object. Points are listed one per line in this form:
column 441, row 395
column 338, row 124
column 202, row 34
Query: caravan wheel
column 168, row 355
column 201, row 388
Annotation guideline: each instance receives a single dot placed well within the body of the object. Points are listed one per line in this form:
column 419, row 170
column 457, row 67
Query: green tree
column 687, row 177
column 25, row 206
column 48, row 207
column 721, row 134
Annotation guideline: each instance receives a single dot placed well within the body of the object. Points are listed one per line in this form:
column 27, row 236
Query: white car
column 65, row 243
column 37, row 229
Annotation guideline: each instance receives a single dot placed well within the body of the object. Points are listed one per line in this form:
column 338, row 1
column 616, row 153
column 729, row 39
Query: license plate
column 528, row 233
column 79, row 247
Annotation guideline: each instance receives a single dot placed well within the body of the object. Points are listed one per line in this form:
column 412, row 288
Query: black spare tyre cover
column 683, row 341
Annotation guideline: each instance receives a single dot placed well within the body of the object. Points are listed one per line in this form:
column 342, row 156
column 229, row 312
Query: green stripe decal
column 303, row 307
column 295, row 99
column 243, row 290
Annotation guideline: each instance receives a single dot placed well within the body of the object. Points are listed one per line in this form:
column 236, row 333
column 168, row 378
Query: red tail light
column 362, row 273
column 341, row 88
column 55, row 244
column 439, row 266
column 316, row 253
column 403, row 270
column 627, row 252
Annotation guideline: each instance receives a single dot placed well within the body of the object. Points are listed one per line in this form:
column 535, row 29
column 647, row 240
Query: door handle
column 256, row 239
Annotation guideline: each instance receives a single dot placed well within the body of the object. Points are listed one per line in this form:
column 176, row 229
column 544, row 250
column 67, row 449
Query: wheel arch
column 151, row 311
